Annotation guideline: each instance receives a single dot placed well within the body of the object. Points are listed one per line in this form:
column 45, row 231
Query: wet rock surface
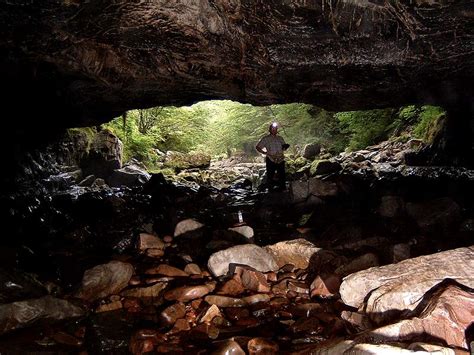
column 164, row 267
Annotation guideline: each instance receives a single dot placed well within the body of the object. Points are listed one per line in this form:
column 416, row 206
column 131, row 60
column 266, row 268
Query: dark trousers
column 279, row 169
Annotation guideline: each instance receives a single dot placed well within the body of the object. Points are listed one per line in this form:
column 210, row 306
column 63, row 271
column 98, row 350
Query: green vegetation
column 224, row 128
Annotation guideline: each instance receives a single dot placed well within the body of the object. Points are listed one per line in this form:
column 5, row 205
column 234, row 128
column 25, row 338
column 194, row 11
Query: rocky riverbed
column 347, row 263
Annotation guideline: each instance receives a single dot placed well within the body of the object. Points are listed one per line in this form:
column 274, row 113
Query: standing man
column 272, row 146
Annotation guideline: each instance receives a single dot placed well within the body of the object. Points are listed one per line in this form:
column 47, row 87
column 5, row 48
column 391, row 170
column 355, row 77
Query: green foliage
column 224, row 128
column 428, row 123
column 365, row 127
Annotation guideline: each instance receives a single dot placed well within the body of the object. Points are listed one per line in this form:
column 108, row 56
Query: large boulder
column 389, row 290
column 323, row 167
column 446, row 314
column 105, row 155
column 180, row 161
column 130, row 175
column 104, row 280
column 297, row 252
column 246, row 254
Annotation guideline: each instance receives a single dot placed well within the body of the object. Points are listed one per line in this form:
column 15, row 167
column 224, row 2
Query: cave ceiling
column 84, row 62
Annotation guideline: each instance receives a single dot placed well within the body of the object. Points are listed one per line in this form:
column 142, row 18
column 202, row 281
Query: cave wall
column 83, row 62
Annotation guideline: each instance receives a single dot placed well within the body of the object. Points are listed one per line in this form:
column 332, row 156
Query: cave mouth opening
column 208, row 134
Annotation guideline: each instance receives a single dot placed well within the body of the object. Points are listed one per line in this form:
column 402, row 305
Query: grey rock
column 247, row 254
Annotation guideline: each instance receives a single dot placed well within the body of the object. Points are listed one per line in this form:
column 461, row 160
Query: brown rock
column 204, row 331
column 254, row 280
column 299, row 287
column 224, row 301
column 307, row 326
column 210, row 314
column 167, row 270
column 228, row 347
column 149, row 241
column 149, row 294
column 236, row 313
column 112, row 306
column 278, row 302
column 172, row 313
column 325, row 286
column 261, row 346
column 281, row 288
column 154, row 253
column 188, row 293
column 167, row 238
column 181, row 325
column 192, row 269
column 257, row 298
column 232, row 287
column 271, row 276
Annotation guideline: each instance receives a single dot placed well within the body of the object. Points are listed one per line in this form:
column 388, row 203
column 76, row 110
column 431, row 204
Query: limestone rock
column 446, row 316
column 182, row 161
column 400, row 287
column 186, row 225
column 297, row 252
column 246, row 254
column 246, row 231
column 104, row 280
column 105, row 155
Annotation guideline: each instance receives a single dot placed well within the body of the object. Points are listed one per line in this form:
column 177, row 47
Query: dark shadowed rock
column 310, row 151
column 18, row 286
column 129, row 175
column 23, row 314
column 322, row 167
